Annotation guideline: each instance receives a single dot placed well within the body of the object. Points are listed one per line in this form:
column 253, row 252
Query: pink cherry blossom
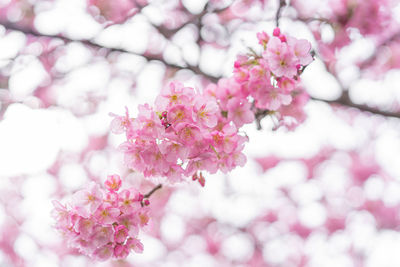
column 102, row 230
column 113, row 182
column 87, row 201
column 239, row 112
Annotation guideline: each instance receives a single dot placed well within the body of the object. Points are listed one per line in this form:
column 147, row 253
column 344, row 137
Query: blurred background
column 325, row 194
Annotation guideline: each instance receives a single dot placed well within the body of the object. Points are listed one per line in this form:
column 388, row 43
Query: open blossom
column 285, row 64
column 206, row 111
column 110, row 223
column 239, row 112
column 87, row 201
column 301, row 49
column 113, row 182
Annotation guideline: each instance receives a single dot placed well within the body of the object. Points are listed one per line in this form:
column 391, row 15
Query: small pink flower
column 129, row 201
column 275, row 48
column 121, row 251
column 179, row 113
column 85, row 228
column 273, row 98
column 284, row 64
column 188, row 133
column 121, row 233
column 120, row 123
column 130, row 222
column 87, row 201
column 174, row 94
column 135, row 245
column 263, row 38
column 205, row 111
column 241, row 74
column 103, row 253
column 286, row 84
column 142, row 217
column 172, row 151
column 240, row 112
column 113, row 182
column 259, row 73
column 101, row 235
column 106, row 214
column 301, row 49
column 61, row 215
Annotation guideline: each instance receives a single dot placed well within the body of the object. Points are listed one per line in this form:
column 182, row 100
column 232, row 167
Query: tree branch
column 344, row 100
column 93, row 44
column 282, row 3
column 152, row 191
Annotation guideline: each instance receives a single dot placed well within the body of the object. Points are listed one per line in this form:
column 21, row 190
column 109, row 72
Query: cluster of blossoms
column 103, row 223
column 184, row 134
column 187, row 132
column 266, row 83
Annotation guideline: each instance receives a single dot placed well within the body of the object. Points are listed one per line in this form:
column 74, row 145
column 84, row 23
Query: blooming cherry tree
column 244, row 133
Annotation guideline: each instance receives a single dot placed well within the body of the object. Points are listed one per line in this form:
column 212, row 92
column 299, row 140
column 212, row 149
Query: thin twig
column 152, row 191
column 282, row 3
column 344, row 100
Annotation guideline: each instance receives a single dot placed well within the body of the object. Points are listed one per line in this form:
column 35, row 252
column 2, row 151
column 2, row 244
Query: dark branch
column 259, row 115
column 152, row 191
column 93, row 44
column 344, row 100
column 282, row 3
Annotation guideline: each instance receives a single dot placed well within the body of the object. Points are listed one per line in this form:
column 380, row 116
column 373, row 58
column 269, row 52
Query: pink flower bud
column 237, row 64
column 276, row 32
column 202, row 181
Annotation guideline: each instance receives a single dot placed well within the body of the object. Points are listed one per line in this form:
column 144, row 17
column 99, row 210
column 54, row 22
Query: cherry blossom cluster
column 103, row 223
column 187, row 132
column 184, row 134
column 267, row 83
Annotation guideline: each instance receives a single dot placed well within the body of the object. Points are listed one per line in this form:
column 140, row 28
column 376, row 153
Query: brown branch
column 152, row 191
column 93, row 44
column 282, row 3
column 319, row 19
column 344, row 100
